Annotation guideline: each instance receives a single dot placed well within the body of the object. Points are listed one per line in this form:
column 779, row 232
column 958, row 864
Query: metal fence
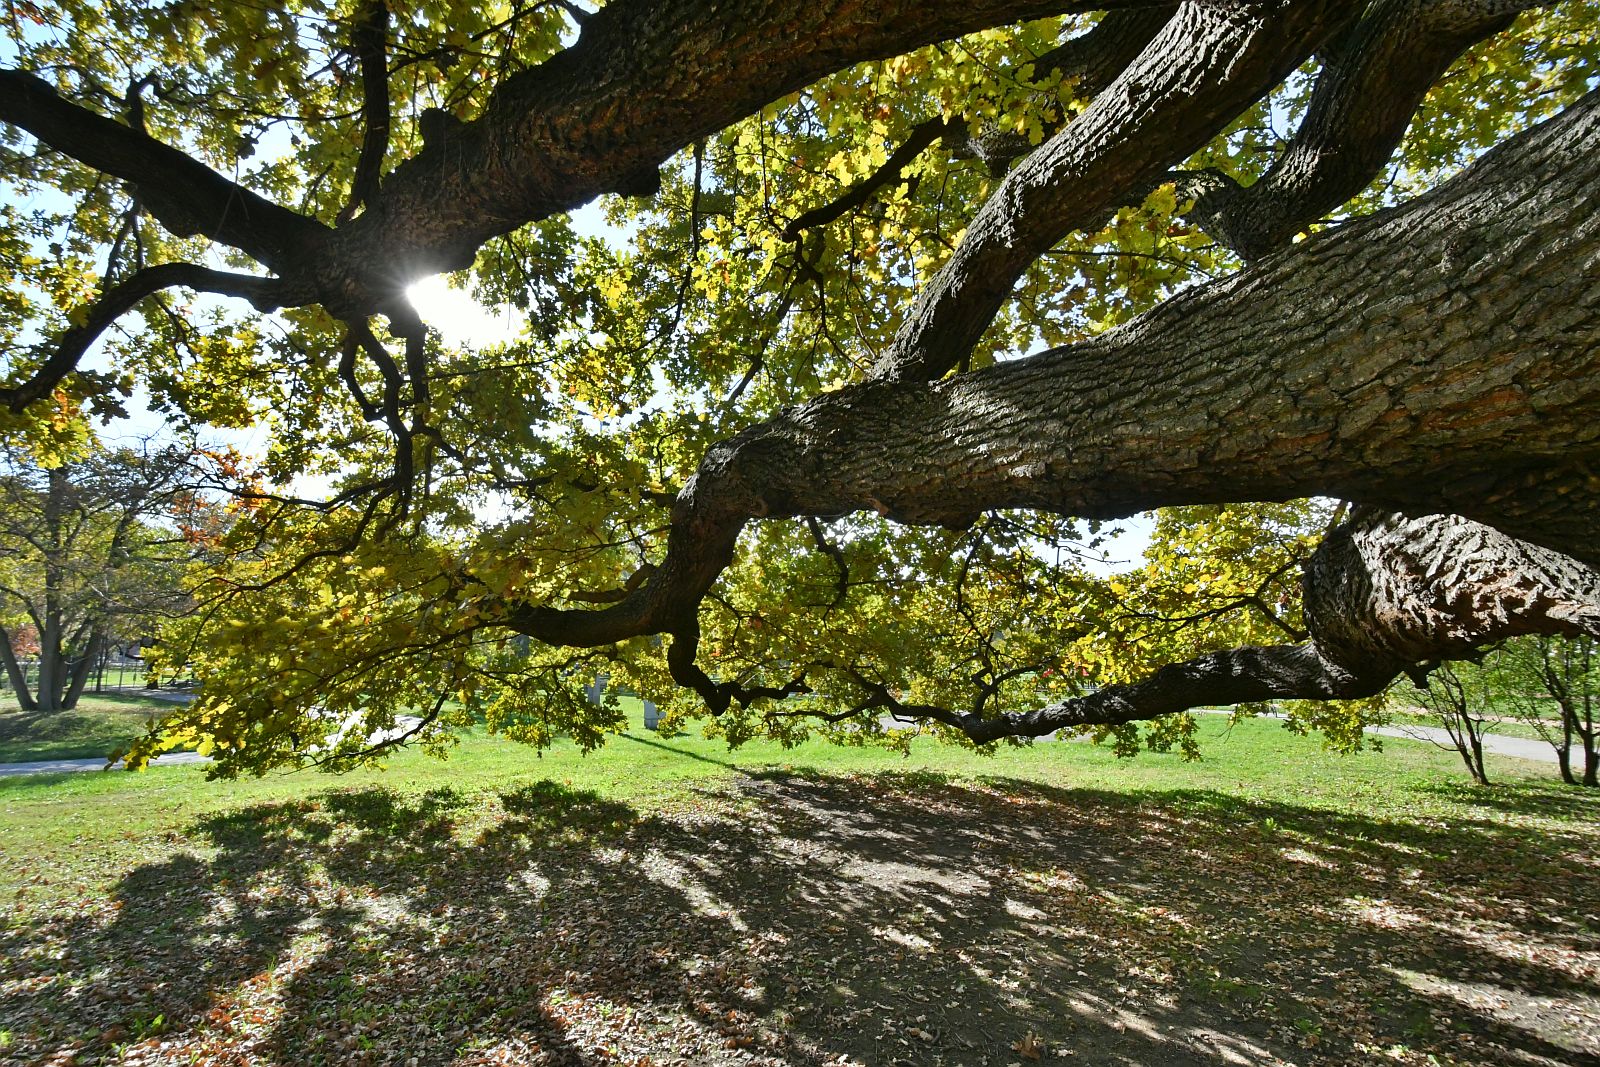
column 111, row 674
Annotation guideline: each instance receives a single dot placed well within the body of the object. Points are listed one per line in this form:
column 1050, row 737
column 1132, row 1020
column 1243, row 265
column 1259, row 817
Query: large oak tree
column 775, row 440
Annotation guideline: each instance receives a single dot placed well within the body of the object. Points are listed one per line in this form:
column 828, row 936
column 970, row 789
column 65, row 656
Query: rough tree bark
column 1467, row 384
column 1375, row 76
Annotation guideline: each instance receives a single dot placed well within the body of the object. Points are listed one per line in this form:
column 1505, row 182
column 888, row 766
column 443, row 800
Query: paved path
column 402, row 724
column 1520, row 747
column 59, row 766
column 1498, row 744
column 176, row 696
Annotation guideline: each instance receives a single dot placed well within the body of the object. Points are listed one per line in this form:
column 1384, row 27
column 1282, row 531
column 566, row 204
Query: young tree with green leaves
column 1460, row 696
column 1540, row 675
column 90, row 552
column 775, row 446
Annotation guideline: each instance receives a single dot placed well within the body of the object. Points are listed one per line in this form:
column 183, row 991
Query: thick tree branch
column 1233, row 676
column 187, row 196
column 1384, row 594
column 1091, row 61
column 263, row 293
column 645, row 79
column 1296, row 378
column 1372, row 82
column 371, row 39
column 1327, row 384
column 1206, row 65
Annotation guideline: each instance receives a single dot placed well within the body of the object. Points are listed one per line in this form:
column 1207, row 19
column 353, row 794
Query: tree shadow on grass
column 889, row 918
column 1559, row 802
column 86, row 732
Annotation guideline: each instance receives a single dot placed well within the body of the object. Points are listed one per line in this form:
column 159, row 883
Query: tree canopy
column 897, row 303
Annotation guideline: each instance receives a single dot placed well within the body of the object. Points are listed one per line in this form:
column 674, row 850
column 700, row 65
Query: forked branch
column 1208, row 63
column 263, row 293
column 187, row 196
column 371, row 39
column 1374, row 77
column 1061, row 431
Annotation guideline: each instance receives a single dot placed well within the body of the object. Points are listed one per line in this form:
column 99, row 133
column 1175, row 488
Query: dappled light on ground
column 809, row 919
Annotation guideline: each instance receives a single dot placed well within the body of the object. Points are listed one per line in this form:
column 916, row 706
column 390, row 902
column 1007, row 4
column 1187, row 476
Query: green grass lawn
column 1256, row 759
column 666, row 900
column 93, row 729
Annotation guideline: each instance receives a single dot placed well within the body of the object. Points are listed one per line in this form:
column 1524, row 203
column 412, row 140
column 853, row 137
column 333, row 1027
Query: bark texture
column 1206, row 64
column 1467, row 384
column 1374, row 77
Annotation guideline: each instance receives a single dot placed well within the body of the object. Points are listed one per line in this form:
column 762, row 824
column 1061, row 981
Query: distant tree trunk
column 1451, row 699
column 1584, row 712
column 48, row 685
column 64, row 662
column 1565, row 668
column 14, row 673
column 52, row 679
column 1554, row 670
column 1475, row 736
column 78, row 670
column 1564, row 752
column 1585, row 729
column 1564, row 749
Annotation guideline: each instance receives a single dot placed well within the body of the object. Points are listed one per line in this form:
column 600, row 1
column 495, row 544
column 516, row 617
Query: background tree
column 1541, row 675
column 1461, row 696
column 90, row 553
column 777, row 447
